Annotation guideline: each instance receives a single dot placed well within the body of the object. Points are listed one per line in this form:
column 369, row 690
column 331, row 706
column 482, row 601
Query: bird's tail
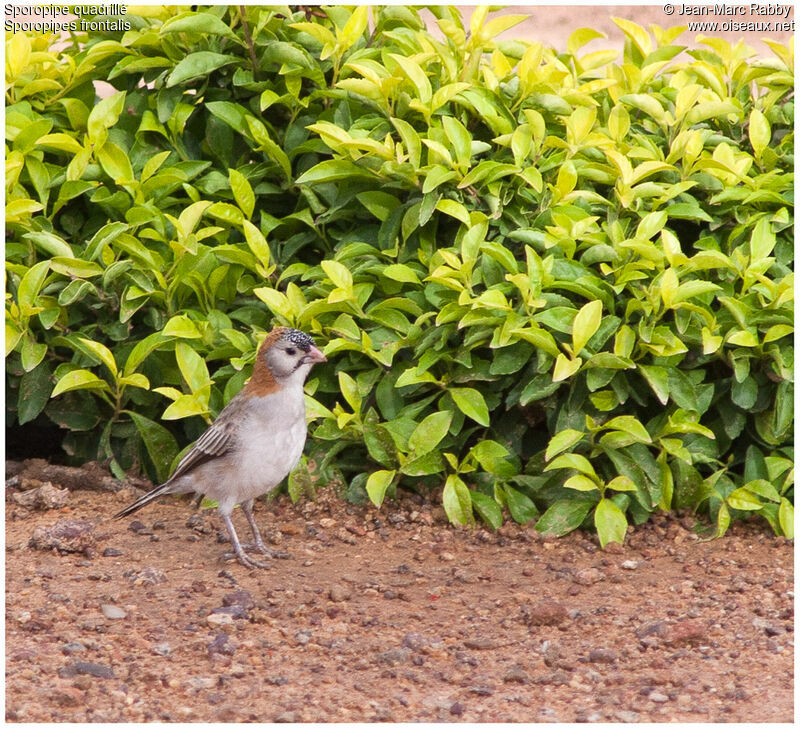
column 164, row 488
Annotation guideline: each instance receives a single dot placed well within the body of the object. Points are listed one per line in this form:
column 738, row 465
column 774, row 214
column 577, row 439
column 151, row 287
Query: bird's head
column 286, row 355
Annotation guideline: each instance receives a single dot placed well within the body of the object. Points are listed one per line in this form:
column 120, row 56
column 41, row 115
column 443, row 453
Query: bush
column 550, row 283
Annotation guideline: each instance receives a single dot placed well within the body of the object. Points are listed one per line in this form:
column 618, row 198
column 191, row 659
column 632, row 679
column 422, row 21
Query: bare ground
column 387, row 615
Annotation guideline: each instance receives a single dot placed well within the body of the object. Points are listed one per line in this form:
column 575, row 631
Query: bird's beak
column 314, row 355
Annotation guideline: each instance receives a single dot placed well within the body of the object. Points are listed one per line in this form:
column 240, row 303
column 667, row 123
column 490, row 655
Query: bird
column 254, row 443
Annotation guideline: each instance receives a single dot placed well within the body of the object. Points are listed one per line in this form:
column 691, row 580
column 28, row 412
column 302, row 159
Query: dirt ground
column 387, row 615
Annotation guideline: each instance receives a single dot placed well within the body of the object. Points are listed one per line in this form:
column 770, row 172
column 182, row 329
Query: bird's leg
column 237, row 547
column 247, row 508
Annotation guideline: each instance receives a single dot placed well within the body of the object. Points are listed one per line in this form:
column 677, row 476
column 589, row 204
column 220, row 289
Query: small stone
column 287, row 717
column 220, row 619
column 603, row 655
column 303, row 637
column 457, row 708
column 45, row 497
column 68, row 535
column 481, row 690
column 112, row 552
column 394, row 656
column 658, row 697
column 415, row 641
column 339, row 593
column 70, row 648
column 656, row 628
column 687, row 631
column 145, row 577
column 221, row 645
column 588, row 576
column 447, row 556
column 480, row 644
column 544, row 612
column 161, row 649
column 85, row 668
column 67, row 697
column 516, row 674
column 629, row 564
column 237, row 612
column 113, row 612
column 241, row 598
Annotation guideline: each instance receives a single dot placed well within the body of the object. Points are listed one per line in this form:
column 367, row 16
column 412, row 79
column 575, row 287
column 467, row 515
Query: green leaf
column 160, row 444
column 30, row 285
column 579, row 482
column 521, row 508
column 341, row 277
column 377, row 484
column 192, row 367
column 759, row 132
column 349, row 389
column 744, row 500
column 630, row 425
column 487, row 508
column 658, row 379
column 34, row 392
column 181, row 326
column 572, row 460
column 430, row 432
column 197, row 65
column 561, row 441
column 242, row 192
column 204, row 23
column 457, row 501
column 610, row 522
column 493, row 458
column 470, row 402
column 79, row 380
column 400, row 272
column 100, row 351
column 563, row 516
column 103, row 116
column 786, row 518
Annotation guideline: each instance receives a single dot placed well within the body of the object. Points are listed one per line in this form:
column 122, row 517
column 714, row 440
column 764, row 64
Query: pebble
column 145, row 577
column 658, row 697
column 220, row 619
column 67, row 535
column 457, row 708
column 544, row 612
column 221, row 645
column 588, row 576
column 74, row 647
column 339, row 593
column 161, row 649
column 686, row 632
column 414, row 641
column 85, row 668
column 112, row 552
column 241, row 598
column 113, row 612
column 603, row 655
column 480, row 644
column 516, row 674
column 629, row 564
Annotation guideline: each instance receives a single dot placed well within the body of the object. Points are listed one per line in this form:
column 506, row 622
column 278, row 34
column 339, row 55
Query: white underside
column 268, row 444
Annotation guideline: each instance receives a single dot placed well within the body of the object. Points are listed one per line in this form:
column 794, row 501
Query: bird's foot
column 247, row 561
column 264, row 549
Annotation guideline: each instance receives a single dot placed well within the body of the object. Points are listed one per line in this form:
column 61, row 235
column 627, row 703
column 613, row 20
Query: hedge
column 556, row 285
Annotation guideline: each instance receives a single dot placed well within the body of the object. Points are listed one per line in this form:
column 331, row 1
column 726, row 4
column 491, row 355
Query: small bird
column 255, row 442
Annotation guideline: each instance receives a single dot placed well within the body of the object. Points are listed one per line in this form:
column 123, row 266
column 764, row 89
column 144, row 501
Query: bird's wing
column 215, row 442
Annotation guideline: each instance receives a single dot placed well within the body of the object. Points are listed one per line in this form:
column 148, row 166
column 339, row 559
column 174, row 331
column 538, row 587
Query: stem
column 249, row 39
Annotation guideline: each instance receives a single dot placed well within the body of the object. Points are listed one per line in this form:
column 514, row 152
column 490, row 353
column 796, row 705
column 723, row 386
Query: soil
column 389, row 615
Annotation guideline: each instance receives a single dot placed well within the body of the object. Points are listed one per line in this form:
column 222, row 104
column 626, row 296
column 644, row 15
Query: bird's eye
column 291, row 351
